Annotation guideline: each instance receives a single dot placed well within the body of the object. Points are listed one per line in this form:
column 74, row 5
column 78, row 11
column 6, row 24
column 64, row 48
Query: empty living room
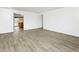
column 39, row 29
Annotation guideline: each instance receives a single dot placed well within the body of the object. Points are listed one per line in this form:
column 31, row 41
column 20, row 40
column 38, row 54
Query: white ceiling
column 36, row 9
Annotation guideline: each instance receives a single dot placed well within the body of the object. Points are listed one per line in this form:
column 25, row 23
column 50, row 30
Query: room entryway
column 18, row 22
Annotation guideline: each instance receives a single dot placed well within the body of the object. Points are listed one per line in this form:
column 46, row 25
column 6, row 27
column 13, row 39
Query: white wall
column 6, row 22
column 31, row 20
column 64, row 20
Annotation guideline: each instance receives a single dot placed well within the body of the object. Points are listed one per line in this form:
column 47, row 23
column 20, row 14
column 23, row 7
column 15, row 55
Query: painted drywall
column 64, row 20
column 6, row 22
column 31, row 20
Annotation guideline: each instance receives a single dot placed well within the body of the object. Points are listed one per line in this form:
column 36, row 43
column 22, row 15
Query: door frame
column 14, row 21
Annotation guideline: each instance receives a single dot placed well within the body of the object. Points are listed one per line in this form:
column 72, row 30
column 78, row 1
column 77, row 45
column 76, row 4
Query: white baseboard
column 62, row 32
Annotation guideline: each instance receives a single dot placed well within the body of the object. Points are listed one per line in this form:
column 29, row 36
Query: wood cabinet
column 20, row 24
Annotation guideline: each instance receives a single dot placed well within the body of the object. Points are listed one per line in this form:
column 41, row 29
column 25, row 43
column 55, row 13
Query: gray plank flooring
column 38, row 40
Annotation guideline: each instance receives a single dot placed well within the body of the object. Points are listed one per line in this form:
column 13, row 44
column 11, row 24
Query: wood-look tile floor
column 38, row 40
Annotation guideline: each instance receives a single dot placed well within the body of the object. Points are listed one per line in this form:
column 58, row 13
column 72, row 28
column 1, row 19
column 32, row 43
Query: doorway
column 18, row 22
